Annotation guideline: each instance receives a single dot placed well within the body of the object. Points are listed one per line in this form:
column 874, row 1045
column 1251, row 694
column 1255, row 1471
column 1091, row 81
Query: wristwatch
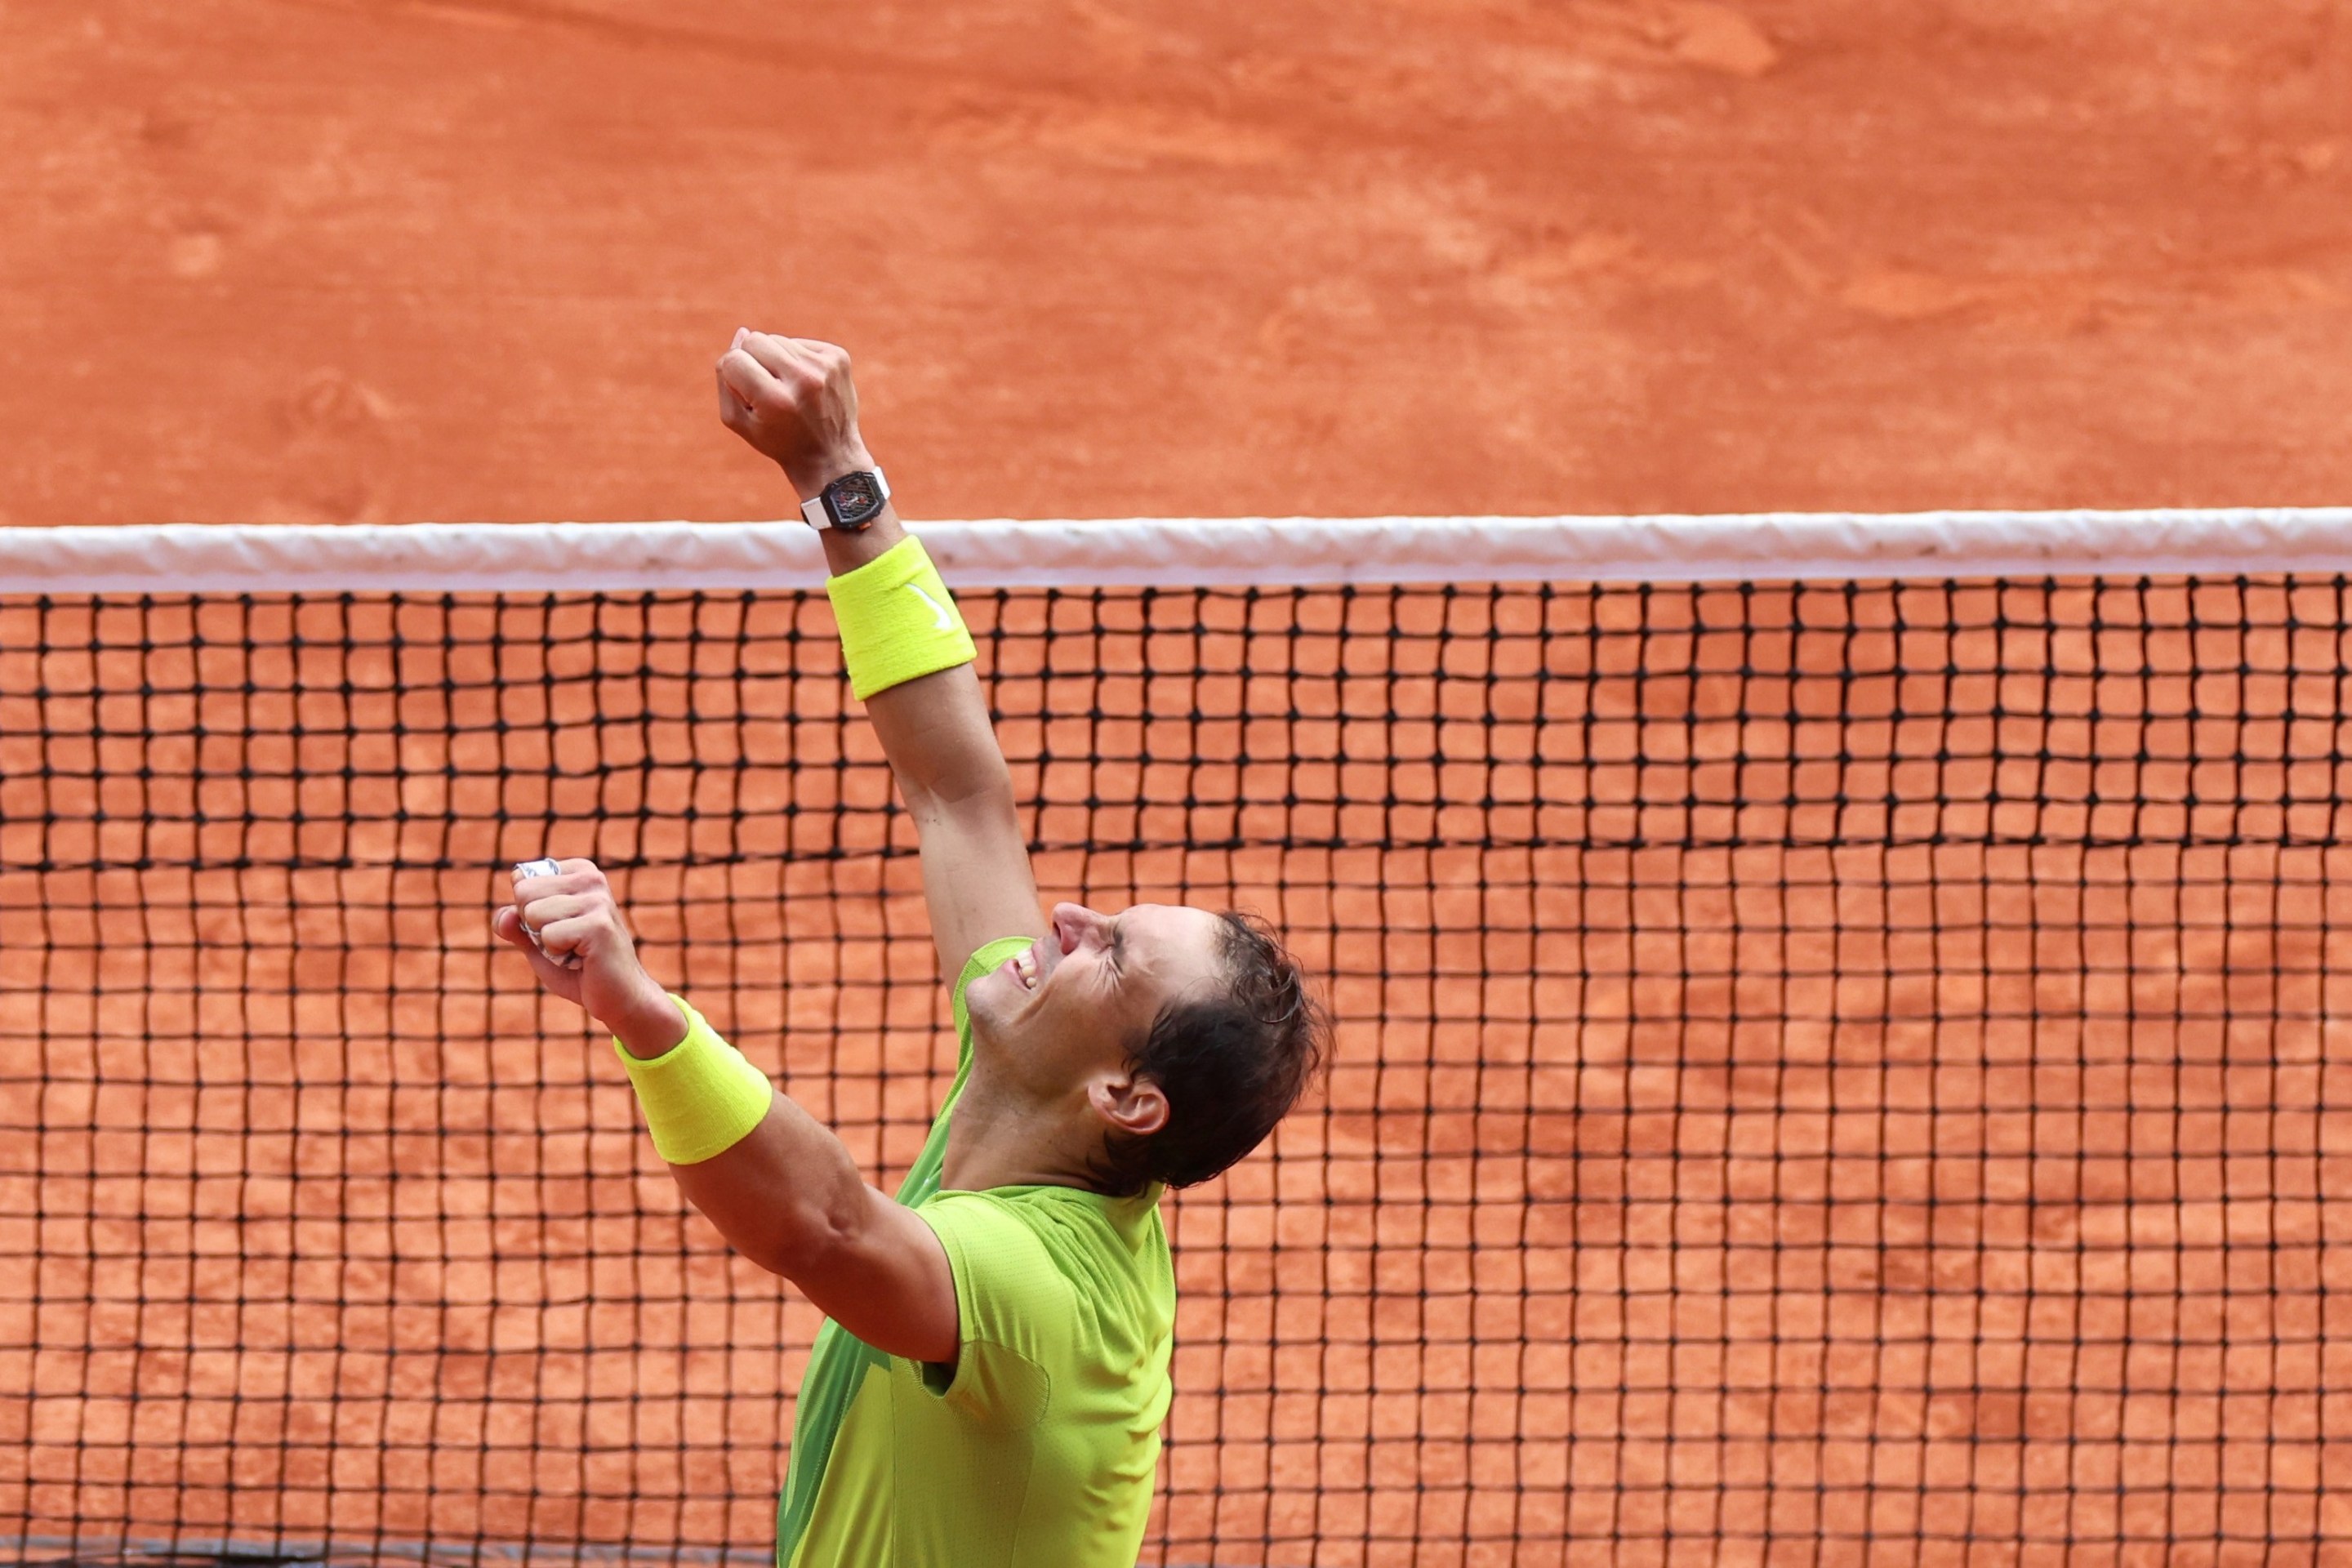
column 850, row 503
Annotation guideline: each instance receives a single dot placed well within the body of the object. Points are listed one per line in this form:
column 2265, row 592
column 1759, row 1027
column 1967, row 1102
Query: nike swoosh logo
column 946, row 621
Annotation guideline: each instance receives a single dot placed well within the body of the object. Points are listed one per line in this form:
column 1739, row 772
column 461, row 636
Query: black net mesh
column 1827, row 1073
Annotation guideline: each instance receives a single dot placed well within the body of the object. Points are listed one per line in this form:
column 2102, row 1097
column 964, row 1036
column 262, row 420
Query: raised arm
column 793, row 400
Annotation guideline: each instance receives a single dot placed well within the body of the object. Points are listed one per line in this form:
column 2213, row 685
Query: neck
column 999, row 1138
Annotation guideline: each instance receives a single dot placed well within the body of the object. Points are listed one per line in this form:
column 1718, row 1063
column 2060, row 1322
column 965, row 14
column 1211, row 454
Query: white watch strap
column 812, row 510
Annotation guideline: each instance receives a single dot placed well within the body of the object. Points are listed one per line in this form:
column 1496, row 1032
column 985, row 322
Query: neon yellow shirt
column 1041, row 1450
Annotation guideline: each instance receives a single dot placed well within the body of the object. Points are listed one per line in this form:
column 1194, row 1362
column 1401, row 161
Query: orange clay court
column 1833, row 1074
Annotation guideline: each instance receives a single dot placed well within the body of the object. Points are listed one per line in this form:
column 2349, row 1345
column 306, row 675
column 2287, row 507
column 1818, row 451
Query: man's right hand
column 575, row 915
column 794, row 401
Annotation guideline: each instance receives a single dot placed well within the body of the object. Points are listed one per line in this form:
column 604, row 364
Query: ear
column 1129, row 1104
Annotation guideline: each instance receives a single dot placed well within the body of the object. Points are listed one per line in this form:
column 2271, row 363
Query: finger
column 783, row 358
column 566, row 941
column 822, row 352
column 565, row 880
column 740, row 333
column 748, row 378
column 513, row 928
column 733, row 412
column 508, row 927
column 539, row 913
column 583, row 899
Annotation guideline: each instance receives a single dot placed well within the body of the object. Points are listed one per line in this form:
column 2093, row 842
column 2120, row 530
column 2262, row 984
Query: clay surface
column 327, row 261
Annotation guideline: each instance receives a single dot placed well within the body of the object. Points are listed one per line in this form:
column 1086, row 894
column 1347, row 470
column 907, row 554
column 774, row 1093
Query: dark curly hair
column 1231, row 1065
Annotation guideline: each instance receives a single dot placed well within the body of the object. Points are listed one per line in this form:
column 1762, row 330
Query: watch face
column 855, row 499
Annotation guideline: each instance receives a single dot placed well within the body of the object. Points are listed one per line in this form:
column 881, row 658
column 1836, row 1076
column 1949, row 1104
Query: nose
column 1074, row 924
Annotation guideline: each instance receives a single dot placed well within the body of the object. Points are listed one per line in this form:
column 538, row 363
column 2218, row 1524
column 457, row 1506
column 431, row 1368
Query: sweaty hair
column 1231, row 1065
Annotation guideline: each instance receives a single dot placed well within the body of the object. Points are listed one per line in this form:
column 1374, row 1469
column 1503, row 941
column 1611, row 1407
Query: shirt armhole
column 1011, row 1390
column 937, row 1379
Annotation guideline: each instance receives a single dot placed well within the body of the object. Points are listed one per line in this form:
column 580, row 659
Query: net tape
column 1185, row 553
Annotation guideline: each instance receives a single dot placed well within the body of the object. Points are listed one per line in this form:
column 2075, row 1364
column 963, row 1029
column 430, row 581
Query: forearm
column 934, row 729
column 936, row 734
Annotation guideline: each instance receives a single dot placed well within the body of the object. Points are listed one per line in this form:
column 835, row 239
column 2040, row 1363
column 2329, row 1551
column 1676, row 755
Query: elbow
column 975, row 806
column 983, row 784
column 798, row 1255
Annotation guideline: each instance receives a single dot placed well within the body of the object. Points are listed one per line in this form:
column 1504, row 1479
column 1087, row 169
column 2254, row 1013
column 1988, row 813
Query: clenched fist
column 792, row 399
column 575, row 917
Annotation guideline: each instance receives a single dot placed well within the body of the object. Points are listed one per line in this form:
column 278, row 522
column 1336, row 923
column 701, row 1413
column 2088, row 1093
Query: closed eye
column 1118, row 949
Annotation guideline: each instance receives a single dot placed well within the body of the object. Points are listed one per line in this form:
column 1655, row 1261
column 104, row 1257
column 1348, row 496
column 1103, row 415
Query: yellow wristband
column 897, row 619
column 701, row 1096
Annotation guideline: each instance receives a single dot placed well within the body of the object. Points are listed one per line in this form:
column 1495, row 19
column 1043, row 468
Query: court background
column 456, row 259
column 321, row 261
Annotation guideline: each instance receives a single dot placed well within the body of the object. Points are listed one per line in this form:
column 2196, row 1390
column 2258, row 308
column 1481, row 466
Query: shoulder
column 968, row 1220
column 1046, row 1241
column 1006, row 1276
column 1057, row 1269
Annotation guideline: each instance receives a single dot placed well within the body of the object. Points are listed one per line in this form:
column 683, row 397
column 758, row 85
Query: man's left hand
column 793, row 400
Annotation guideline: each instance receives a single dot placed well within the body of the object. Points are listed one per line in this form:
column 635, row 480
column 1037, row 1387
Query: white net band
column 1183, row 552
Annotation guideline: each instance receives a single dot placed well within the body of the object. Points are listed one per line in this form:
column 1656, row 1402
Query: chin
column 988, row 998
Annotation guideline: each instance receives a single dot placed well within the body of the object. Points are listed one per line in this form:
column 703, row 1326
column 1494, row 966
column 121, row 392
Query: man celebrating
column 988, row 1390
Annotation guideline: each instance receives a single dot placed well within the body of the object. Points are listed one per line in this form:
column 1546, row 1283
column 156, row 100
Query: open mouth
column 1026, row 967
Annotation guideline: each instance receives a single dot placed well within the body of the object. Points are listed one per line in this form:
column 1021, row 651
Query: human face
column 1079, row 998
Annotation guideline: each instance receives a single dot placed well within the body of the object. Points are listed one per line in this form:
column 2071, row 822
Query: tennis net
column 1842, row 1024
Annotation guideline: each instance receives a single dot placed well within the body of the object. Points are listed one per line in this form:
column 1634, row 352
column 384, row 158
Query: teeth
column 1024, row 964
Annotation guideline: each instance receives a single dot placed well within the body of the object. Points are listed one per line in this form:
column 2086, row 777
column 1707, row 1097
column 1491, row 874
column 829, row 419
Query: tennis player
column 988, row 1390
